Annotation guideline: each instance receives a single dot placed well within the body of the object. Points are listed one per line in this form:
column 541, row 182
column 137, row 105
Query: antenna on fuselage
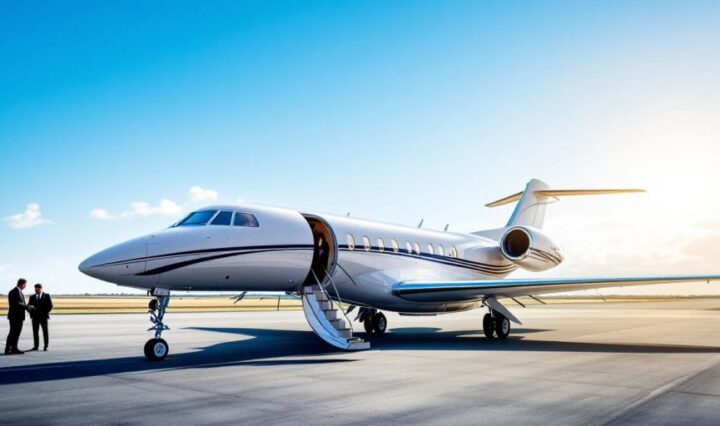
column 421, row 222
column 347, row 214
column 239, row 297
column 446, row 227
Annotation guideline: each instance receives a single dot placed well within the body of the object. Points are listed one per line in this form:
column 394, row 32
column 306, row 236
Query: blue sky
column 390, row 110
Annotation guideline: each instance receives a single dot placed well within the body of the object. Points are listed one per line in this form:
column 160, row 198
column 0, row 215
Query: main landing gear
column 373, row 321
column 496, row 324
column 156, row 349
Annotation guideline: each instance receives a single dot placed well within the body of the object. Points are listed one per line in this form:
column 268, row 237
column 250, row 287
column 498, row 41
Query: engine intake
column 516, row 244
column 530, row 249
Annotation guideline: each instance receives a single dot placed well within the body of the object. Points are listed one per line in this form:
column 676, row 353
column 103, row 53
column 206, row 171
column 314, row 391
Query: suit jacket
column 16, row 305
column 42, row 307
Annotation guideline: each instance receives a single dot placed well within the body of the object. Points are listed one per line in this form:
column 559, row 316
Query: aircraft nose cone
column 92, row 265
column 99, row 265
column 116, row 262
column 84, row 266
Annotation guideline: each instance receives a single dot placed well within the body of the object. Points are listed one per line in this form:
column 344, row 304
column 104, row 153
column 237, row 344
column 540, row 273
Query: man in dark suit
column 41, row 304
column 16, row 315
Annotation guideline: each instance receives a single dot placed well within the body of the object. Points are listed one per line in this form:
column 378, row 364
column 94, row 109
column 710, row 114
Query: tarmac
column 614, row 363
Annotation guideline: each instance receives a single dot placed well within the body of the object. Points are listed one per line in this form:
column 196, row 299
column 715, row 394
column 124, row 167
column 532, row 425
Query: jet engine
column 530, row 249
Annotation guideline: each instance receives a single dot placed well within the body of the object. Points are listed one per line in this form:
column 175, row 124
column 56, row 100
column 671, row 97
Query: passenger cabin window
column 441, row 250
column 199, row 218
column 430, row 249
column 381, row 245
column 366, row 243
column 222, row 218
column 417, row 248
column 351, row 242
column 395, row 246
column 408, row 247
column 245, row 219
column 453, row 252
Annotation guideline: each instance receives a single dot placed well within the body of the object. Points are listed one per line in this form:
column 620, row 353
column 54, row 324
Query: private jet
column 337, row 264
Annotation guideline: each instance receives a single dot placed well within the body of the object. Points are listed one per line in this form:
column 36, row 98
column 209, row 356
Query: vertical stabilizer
column 530, row 209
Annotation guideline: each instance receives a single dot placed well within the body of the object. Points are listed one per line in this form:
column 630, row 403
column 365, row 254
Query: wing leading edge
column 447, row 291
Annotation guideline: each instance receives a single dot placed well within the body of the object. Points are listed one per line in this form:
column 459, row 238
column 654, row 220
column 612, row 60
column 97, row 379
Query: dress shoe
column 45, row 349
column 17, row 352
column 34, row 348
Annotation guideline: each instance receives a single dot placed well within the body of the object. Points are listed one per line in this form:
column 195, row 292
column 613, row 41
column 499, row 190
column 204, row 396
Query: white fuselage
column 282, row 253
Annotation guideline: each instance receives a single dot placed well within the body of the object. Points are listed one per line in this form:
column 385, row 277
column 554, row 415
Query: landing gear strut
column 156, row 349
column 496, row 324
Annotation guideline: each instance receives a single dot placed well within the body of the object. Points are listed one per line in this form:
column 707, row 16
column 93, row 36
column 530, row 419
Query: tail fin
column 530, row 210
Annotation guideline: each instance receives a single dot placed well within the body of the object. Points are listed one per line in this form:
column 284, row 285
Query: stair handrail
column 322, row 321
column 337, row 293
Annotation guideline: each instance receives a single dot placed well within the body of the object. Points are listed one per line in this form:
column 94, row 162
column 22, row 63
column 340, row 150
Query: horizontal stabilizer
column 560, row 193
column 507, row 200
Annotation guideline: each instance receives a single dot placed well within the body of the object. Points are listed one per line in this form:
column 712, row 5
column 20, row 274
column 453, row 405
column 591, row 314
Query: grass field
column 136, row 304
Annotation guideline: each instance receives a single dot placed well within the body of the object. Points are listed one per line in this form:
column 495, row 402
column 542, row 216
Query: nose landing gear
column 156, row 349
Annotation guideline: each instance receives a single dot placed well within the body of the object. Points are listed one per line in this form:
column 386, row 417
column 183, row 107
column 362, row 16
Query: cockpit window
column 201, row 217
column 223, row 218
column 245, row 219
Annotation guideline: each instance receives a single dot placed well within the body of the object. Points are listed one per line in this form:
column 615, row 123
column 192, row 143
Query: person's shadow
column 274, row 347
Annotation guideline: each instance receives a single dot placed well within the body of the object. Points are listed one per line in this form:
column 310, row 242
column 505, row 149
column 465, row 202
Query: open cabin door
column 326, row 316
column 325, row 250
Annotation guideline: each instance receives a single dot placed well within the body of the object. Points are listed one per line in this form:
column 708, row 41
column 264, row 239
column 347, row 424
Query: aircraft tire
column 368, row 324
column 489, row 326
column 156, row 349
column 379, row 323
column 502, row 326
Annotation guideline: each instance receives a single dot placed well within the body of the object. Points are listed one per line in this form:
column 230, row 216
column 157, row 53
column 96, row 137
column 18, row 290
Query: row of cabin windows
column 409, row 247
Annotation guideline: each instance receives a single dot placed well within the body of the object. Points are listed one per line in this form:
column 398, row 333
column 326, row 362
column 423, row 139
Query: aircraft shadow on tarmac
column 268, row 347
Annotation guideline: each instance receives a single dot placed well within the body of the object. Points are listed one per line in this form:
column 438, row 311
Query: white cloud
column 140, row 209
column 164, row 208
column 27, row 219
column 198, row 194
column 101, row 214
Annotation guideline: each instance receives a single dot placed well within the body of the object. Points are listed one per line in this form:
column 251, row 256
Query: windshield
column 197, row 218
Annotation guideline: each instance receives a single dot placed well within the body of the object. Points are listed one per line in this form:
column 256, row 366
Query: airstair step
column 359, row 345
column 338, row 324
column 333, row 314
column 327, row 321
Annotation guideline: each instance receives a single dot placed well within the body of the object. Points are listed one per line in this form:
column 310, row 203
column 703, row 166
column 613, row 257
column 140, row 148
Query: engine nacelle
column 530, row 249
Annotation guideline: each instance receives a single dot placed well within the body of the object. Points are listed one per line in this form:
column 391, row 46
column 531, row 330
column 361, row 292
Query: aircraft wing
column 447, row 291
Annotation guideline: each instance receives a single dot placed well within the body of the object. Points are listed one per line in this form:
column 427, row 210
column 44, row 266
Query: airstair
column 327, row 318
